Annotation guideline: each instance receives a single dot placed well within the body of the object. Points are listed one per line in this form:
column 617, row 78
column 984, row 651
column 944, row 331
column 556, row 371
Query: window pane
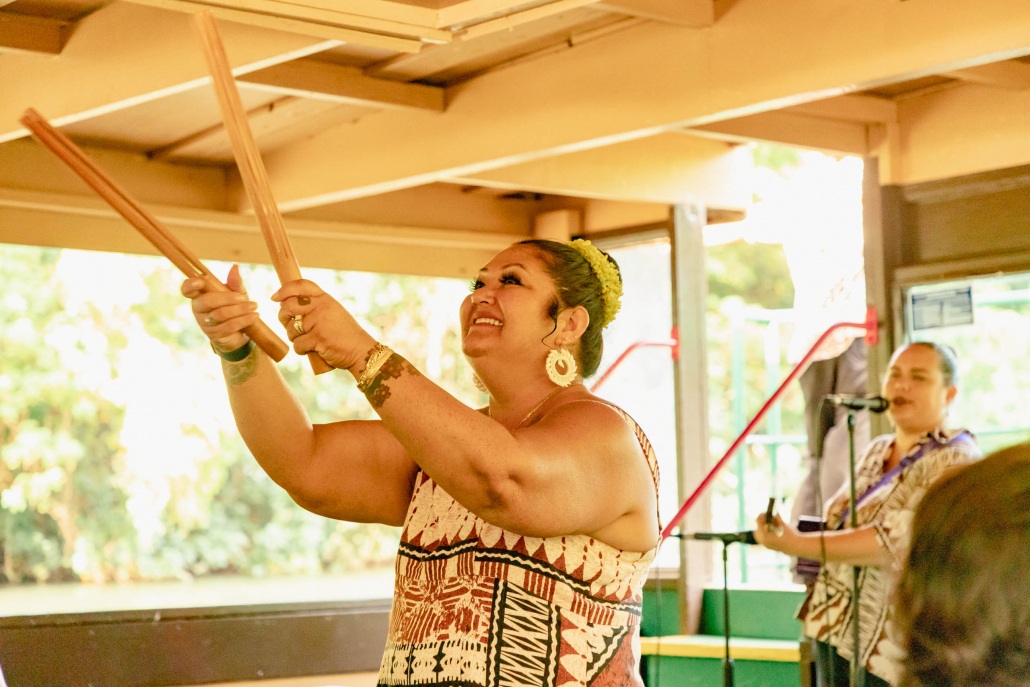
column 643, row 384
column 992, row 346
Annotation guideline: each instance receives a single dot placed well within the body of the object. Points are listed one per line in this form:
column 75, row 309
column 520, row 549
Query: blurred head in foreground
column 963, row 598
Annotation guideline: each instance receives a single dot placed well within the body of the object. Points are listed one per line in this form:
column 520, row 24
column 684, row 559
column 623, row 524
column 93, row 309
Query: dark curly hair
column 962, row 601
column 575, row 284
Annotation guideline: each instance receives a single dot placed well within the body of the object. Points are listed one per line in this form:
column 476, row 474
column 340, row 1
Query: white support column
column 690, row 291
column 557, row 225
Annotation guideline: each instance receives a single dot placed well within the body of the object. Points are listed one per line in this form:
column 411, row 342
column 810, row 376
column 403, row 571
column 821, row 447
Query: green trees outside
column 59, row 440
column 118, row 457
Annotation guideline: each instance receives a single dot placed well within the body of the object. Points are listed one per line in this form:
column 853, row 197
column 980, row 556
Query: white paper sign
column 944, row 308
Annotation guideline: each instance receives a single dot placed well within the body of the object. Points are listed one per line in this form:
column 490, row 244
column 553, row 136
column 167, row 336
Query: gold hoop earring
column 478, row 383
column 561, row 366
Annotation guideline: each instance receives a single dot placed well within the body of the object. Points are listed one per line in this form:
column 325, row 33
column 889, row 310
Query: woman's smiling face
column 508, row 306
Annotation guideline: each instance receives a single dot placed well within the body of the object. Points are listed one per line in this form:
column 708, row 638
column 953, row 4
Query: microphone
column 874, row 404
column 747, row 537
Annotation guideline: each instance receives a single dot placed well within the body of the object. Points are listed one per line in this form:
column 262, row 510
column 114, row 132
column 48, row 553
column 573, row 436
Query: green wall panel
column 671, row 671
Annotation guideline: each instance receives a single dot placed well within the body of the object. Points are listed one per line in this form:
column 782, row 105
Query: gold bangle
column 377, row 357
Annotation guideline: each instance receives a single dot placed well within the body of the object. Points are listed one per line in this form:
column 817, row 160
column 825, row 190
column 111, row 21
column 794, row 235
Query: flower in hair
column 606, row 273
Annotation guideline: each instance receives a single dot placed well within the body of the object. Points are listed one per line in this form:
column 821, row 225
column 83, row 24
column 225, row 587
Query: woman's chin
column 912, row 428
column 473, row 349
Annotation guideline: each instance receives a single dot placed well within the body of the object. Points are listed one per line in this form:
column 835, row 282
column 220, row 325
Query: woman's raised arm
column 350, row 470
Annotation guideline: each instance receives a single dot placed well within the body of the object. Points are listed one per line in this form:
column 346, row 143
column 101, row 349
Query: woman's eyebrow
column 895, row 368
column 504, row 267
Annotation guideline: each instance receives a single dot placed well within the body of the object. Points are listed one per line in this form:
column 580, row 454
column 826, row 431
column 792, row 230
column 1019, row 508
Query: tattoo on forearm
column 238, row 373
column 378, row 389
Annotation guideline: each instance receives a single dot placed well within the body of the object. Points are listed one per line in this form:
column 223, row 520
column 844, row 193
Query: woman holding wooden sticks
column 528, row 525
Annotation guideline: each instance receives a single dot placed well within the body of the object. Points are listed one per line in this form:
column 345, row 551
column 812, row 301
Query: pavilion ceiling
column 461, row 123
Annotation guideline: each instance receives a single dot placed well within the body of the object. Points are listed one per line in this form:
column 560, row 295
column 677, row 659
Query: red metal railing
column 870, row 327
column 673, row 343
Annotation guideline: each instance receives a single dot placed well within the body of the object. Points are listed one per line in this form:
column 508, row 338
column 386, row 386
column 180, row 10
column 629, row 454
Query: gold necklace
column 538, row 406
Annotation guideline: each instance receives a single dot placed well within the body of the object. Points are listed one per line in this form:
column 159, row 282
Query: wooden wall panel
column 192, row 646
column 956, row 228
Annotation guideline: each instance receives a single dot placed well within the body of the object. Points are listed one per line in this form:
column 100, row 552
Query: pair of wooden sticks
column 255, row 179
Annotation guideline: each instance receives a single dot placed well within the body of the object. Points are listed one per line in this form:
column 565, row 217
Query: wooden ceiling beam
column 159, row 54
column 440, row 58
column 661, row 78
column 960, row 131
column 509, row 21
column 696, row 13
column 50, row 219
column 864, row 109
column 213, row 144
column 792, row 129
column 372, row 19
column 343, row 84
column 470, row 12
column 1010, row 74
column 389, row 11
column 656, row 169
column 375, row 38
column 26, row 164
column 23, row 33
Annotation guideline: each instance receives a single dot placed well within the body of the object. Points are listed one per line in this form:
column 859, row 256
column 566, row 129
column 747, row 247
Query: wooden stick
column 139, row 217
column 248, row 159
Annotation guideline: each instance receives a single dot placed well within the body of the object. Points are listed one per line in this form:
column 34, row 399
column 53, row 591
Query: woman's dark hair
column 947, row 357
column 962, row 602
column 575, row 284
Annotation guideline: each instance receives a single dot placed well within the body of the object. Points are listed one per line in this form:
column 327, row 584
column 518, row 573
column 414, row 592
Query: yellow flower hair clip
column 606, row 273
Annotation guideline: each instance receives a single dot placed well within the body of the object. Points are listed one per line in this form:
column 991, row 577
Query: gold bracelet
column 377, row 357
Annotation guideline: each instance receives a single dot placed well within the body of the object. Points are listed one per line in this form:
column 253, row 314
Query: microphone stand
column 726, row 538
column 857, row 675
column 727, row 662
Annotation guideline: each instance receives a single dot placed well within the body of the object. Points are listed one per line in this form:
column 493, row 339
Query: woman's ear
column 951, row 393
column 572, row 322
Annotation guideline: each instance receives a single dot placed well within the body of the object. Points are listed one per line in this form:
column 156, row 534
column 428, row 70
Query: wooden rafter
column 165, row 61
column 509, row 21
column 343, row 84
column 441, row 58
column 304, row 27
column 213, row 142
column 24, row 33
column 698, row 13
column 851, row 108
column 1006, row 74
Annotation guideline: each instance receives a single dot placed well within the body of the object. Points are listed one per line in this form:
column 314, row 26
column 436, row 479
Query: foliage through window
column 119, row 460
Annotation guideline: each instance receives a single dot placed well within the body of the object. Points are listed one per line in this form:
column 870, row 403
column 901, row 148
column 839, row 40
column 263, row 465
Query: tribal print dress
column 478, row 606
column 828, row 612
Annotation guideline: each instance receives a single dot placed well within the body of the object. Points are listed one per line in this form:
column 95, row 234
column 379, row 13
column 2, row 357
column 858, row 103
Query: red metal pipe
column 871, row 338
column 672, row 343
